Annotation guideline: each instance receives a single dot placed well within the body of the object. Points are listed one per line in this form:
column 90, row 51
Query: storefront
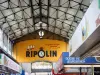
column 8, row 66
column 75, row 66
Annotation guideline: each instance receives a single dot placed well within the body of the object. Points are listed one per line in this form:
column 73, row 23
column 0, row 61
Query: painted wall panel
column 47, row 45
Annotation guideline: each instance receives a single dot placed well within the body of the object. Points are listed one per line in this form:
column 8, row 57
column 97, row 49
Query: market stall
column 75, row 66
column 8, row 66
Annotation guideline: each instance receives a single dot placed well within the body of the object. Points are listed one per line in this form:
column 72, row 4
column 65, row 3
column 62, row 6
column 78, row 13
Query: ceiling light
column 41, row 33
column 40, row 22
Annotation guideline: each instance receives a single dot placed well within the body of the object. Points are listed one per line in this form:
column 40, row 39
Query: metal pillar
column 80, row 71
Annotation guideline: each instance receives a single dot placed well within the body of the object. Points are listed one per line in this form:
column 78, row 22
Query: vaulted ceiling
column 21, row 17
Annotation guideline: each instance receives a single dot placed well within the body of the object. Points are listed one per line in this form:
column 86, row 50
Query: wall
column 87, row 26
column 20, row 49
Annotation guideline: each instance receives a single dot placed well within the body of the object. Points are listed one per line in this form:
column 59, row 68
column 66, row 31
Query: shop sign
column 40, row 53
column 9, row 63
column 36, row 50
column 74, row 60
column 77, row 60
column 42, row 65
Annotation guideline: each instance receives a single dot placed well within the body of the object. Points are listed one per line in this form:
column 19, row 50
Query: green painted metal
column 99, row 4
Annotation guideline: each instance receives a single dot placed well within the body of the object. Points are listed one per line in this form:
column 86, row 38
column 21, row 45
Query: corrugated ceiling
column 20, row 17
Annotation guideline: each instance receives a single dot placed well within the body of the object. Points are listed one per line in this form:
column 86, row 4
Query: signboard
column 34, row 50
column 40, row 53
column 73, row 60
column 9, row 63
column 41, row 65
column 77, row 60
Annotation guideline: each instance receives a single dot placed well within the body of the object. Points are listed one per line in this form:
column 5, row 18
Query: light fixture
column 41, row 33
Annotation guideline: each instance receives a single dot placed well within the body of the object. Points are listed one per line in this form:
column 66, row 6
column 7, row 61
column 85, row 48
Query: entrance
column 41, row 68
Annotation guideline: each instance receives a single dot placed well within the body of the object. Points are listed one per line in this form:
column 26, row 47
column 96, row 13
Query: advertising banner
column 34, row 50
